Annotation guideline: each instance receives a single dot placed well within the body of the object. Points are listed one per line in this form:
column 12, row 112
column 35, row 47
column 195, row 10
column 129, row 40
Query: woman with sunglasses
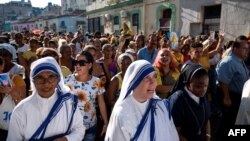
column 88, row 88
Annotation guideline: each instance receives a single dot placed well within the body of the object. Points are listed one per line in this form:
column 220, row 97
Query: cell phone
column 5, row 80
column 212, row 35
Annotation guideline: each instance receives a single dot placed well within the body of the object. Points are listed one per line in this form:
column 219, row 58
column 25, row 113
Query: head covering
column 135, row 73
column 147, row 125
column 47, row 64
column 10, row 49
column 130, row 50
column 119, row 60
column 188, row 70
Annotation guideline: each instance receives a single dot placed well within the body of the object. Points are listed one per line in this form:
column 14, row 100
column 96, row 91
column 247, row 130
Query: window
column 116, row 20
column 212, row 12
column 62, row 24
column 97, row 24
column 135, row 19
column 166, row 13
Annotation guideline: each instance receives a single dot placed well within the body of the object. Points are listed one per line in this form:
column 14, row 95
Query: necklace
column 196, row 119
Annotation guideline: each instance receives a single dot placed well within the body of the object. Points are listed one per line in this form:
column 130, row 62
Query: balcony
column 105, row 5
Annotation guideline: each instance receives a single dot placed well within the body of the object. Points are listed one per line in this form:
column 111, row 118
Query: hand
column 221, row 35
column 227, row 102
column 104, row 129
column 5, row 89
column 16, row 96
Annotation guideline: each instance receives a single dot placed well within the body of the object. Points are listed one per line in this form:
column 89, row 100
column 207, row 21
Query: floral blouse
column 87, row 93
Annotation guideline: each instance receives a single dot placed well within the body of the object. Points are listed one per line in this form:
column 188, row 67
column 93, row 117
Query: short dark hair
column 52, row 42
column 33, row 40
column 18, row 35
column 238, row 40
column 142, row 38
column 5, row 38
column 196, row 45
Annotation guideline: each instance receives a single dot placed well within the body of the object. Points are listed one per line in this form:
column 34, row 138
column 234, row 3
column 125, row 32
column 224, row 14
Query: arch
column 119, row 18
column 136, row 11
column 173, row 14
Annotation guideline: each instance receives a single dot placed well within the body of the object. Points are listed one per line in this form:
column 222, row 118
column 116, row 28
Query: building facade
column 186, row 17
column 71, row 23
column 69, row 6
column 14, row 10
column 52, row 10
column 108, row 16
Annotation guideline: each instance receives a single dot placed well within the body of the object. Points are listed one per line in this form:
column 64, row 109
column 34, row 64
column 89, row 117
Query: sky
column 36, row 3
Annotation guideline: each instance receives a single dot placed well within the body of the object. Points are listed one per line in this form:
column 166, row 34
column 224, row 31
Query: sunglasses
column 80, row 62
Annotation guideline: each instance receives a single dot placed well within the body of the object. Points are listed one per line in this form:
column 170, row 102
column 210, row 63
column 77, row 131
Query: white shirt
column 22, row 49
column 194, row 97
column 6, row 108
column 30, row 113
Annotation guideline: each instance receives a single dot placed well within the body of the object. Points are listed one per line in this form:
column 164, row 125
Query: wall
column 151, row 14
column 235, row 17
column 108, row 25
column 191, row 12
column 70, row 22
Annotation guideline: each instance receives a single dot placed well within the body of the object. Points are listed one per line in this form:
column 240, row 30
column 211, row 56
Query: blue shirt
column 144, row 53
column 233, row 72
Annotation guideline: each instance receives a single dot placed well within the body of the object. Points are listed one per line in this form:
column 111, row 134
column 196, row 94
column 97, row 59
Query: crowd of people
column 94, row 86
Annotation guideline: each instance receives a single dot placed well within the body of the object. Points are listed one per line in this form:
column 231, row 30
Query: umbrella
column 37, row 31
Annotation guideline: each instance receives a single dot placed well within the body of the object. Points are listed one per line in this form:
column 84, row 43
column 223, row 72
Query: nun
column 138, row 113
column 189, row 105
column 51, row 112
column 243, row 117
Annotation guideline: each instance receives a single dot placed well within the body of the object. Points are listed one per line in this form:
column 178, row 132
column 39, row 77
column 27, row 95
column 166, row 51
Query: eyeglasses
column 80, row 62
column 42, row 80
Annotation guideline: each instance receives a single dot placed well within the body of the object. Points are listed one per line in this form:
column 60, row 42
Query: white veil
column 132, row 78
column 47, row 64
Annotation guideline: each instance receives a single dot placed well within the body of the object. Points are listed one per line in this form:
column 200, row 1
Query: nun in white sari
column 138, row 113
column 51, row 112
column 243, row 117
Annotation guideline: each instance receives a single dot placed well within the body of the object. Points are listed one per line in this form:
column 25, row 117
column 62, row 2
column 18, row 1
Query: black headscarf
column 187, row 72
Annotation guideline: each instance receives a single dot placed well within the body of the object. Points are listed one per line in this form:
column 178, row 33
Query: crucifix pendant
column 154, row 110
column 199, row 132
